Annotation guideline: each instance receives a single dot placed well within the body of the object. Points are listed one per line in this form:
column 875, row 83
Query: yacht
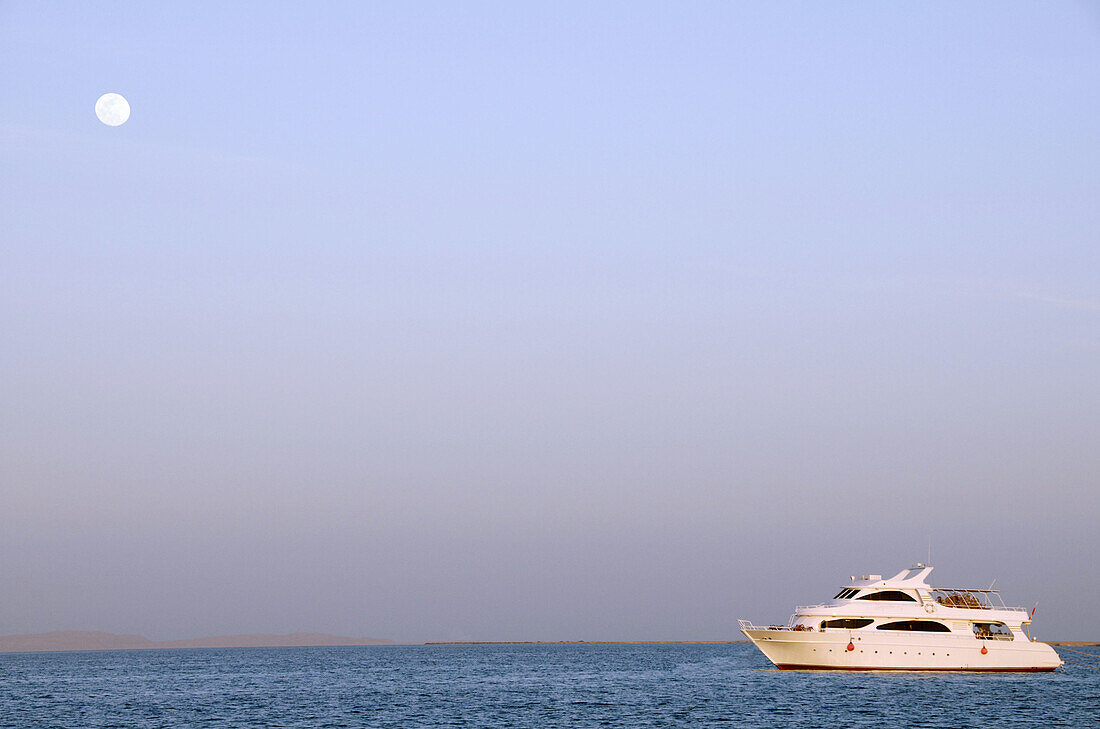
column 904, row 624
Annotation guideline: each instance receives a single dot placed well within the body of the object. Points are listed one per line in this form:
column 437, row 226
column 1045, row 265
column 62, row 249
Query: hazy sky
column 594, row 321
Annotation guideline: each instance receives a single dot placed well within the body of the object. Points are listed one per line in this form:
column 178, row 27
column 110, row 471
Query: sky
column 588, row 321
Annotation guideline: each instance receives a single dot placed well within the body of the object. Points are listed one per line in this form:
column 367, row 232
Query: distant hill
column 264, row 640
column 94, row 640
column 72, row 640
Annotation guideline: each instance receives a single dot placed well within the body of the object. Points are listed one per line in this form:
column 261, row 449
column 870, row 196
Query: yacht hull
column 811, row 650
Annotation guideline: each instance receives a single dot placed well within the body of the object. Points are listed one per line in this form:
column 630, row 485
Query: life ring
column 929, row 607
column 984, row 650
column 851, row 646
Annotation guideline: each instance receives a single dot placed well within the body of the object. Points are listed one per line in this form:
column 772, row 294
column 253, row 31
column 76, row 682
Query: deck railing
column 746, row 625
column 805, row 608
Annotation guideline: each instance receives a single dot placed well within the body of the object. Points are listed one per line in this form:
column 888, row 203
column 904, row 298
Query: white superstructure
column 903, row 623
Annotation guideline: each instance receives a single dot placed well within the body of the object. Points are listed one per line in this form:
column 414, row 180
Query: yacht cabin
column 906, row 602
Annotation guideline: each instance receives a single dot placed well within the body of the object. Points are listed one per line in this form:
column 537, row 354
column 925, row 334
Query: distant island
column 94, row 640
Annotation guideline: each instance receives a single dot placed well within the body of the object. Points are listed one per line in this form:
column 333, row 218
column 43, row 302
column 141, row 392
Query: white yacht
column 904, row 624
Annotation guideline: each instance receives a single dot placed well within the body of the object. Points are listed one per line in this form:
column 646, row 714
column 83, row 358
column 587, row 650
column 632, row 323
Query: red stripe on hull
column 793, row 667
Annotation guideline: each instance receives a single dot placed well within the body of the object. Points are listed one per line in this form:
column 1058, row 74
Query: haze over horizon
column 618, row 322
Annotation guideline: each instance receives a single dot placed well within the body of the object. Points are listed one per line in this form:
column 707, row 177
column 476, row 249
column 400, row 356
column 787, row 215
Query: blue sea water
column 517, row 686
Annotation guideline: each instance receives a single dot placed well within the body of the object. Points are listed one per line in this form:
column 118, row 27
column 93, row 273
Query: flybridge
column 913, row 577
column 975, row 599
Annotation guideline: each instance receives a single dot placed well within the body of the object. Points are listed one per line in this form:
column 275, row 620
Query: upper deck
column 910, row 586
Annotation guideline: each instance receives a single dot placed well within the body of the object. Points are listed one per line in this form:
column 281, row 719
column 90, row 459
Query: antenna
column 929, row 550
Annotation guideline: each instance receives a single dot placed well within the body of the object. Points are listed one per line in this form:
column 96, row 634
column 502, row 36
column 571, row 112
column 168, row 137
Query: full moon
column 112, row 109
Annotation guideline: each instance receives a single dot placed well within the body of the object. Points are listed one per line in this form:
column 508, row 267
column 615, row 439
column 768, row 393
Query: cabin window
column 891, row 595
column 846, row 593
column 846, row 623
column 998, row 631
column 920, row 626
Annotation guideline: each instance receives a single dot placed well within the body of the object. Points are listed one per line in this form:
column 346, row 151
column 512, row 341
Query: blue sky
column 438, row 321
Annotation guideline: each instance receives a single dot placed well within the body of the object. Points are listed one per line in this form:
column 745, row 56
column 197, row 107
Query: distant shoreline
column 93, row 640
column 582, row 642
column 81, row 640
column 1067, row 643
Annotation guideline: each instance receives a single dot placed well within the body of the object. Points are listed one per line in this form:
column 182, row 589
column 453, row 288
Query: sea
column 572, row 685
